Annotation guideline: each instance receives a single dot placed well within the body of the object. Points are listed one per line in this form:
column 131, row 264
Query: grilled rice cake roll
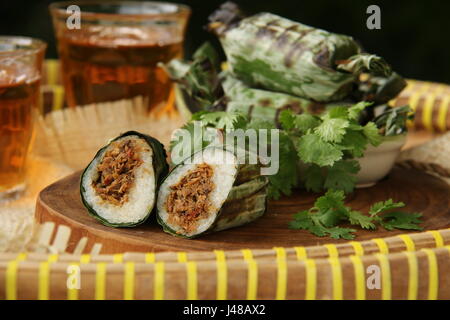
column 202, row 196
column 119, row 186
column 270, row 52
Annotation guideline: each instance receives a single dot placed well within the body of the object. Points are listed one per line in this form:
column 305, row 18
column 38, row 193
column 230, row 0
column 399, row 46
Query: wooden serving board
column 60, row 203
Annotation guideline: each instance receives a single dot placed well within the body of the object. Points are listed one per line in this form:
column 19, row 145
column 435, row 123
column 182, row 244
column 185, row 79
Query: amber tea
column 20, row 63
column 104, row 72
column 114, row 54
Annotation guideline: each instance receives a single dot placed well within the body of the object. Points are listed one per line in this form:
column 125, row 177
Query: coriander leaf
column 381, row 206
column 354, row 142
column 287, row 176
column 312, row 149
column 330, row 217
column 332, row 199
column 336, row 112
column 304, row 122
column 341, row 176
column 313, row 178
column 401, row 220
column 344, row 233
column 330, row 208
column 332, row 130
column 371, row 132
column 286, row 119
column 302, row 220
column 355, row 110
column 357, row 218
column 223, row 120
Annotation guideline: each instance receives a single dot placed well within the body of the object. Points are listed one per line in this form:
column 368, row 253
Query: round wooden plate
column 60, row 203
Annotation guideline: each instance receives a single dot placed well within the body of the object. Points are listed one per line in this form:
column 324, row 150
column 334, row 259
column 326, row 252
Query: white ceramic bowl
column 378, row 161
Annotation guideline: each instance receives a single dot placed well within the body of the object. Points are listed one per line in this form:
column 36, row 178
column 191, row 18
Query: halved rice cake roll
column 120, row 185
column 209, row 194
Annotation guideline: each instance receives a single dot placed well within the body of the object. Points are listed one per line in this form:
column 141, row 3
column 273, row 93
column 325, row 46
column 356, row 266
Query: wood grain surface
column 60, row 203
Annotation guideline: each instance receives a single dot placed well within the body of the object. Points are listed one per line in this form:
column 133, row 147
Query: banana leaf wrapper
column 160, row 170
column 277, row 54
column 198, row 79
column 263, row 104
column 244, row 202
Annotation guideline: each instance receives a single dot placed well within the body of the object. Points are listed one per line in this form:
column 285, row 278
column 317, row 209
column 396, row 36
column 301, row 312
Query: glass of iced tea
column 20, row 74
column 112, row 51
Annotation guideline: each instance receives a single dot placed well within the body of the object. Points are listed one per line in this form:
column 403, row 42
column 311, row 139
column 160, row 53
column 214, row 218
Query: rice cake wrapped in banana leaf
column 211, row 191
column 119, row 186
column 277, row 54
column 262, row 104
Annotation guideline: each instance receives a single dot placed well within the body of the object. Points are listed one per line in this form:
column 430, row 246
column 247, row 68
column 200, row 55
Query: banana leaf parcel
column 212, row 191
column 119, row 186
column 273, row 53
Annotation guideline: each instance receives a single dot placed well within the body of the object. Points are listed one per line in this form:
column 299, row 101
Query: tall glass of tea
column 20, row 74
column 110, row 50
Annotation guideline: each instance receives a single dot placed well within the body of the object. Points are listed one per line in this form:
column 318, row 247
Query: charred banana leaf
column 198, row 79
column 210, row 192
column 277, row 54
column 119, row 186
column 263, row 104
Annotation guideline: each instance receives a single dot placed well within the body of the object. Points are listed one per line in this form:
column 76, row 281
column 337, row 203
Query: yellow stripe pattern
column 311, row 279
column 413, row 278
column 150, row 257
column 409, row 243
column 427, row 113
column 128, row 283
column 158, row 286
column 44, row 277
column 182, row 257
column 191, row 270
column 382, row 246
column 44, row 281
column 433, row 276
column 357, row 248
column 332, row 250
column 438, row 240
column 100, row 281
column 442, row 113
column 52, row 71
column 360, row 279
column 58, row 97
column 222, row 280
column 252, row 278
column 301, row 253
column 11, row 280
column 336, row 272
column 386, row 290
column 118, row 258
column 21, row 257
column 281, row 274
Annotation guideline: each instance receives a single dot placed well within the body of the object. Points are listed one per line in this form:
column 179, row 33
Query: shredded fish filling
column 116, row 172
column 188, row 201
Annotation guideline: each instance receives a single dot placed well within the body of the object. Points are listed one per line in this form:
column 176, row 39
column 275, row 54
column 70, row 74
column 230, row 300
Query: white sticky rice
column 224, row 174
column 141, row 196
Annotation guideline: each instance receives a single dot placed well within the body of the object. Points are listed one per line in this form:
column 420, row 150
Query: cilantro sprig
column 320, row 149
column 328, row 144
column 329, row 212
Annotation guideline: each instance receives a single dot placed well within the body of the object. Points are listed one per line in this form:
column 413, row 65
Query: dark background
column 414, row 35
